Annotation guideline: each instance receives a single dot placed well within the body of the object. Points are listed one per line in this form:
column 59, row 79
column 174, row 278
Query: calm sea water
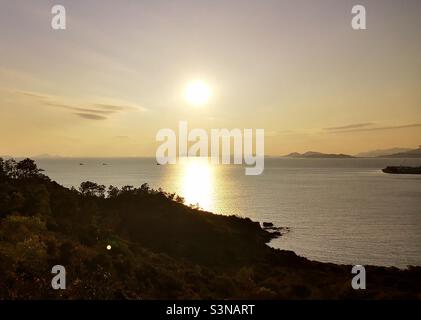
column 338, row 210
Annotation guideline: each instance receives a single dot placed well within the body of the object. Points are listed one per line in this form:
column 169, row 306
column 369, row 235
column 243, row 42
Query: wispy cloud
column 90, row 116
column 350, row 126
column 115, row 108
column 404, row 126
column 31, row 94
column 89, row 110
column 86, row 110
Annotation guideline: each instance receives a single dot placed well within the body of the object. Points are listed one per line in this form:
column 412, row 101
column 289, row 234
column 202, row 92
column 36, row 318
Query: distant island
column 415, row 153
column 141, row 243
column 313, row 154
column 381, row 152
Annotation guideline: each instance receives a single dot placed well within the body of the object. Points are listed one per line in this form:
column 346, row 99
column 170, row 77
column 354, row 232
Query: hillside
column 160, row 249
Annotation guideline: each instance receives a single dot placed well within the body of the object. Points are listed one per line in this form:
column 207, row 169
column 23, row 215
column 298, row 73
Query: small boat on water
column 81, row 164
column 402, row 170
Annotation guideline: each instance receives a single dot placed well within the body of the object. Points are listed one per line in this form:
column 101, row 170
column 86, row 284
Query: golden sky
column 116, row 75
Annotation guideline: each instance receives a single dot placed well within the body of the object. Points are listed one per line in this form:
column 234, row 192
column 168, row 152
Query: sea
column 344, row 211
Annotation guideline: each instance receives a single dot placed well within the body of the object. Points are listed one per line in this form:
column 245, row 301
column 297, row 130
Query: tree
column 2, row 172
column 89, row 188
column 10, row 168
column 27, row 168
column 127, row 189
column 144, row 188
column 113, row 192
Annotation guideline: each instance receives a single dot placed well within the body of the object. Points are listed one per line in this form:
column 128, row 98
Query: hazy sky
column 106, row 84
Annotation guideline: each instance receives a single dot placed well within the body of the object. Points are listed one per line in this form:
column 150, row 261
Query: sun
column 197, row 93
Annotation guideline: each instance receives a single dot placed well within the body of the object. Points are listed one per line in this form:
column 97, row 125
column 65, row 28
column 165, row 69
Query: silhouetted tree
column 2, row 171
column 89, row 188
column 10, row 168
column 144, row 187
column 27, row 168
column 113, row 192
column 127, row 188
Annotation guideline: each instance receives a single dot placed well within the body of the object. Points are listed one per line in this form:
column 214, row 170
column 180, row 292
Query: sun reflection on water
column 197, row 182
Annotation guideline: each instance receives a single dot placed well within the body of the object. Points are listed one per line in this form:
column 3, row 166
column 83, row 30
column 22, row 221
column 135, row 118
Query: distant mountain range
column 381, row 152
column 313, row 154
column 45, row 156
column 414, row 153
column 38, row 156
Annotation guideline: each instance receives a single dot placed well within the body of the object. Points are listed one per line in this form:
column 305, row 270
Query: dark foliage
column 160, row 248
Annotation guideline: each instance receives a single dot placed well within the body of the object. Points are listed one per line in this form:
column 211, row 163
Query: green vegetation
column 161, row 249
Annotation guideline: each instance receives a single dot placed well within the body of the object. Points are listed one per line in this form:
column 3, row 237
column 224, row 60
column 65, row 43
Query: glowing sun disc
column 197, row 93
